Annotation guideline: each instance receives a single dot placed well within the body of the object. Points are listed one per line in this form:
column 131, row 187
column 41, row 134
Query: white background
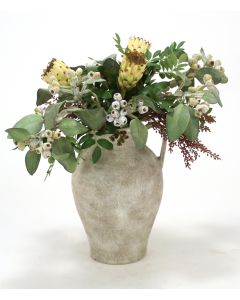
column 195, row 242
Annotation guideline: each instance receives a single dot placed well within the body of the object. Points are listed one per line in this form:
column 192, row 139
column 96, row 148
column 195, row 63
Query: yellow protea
column 133, row 63
column 58, row 69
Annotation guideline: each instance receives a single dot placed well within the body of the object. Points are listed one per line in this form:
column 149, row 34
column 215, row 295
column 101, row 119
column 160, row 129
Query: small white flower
column 39, row 150
column 79, row 71
column 109, row 118
column 193, row 101
column 207, row 79
column 123, row 112
column 122, row 120
column 115, row 105
column 56, row 134
column 116, row 123
column 217, row 63
column 90, row 74
column 204, row 107
column 142, row 109
column 50, row 140
column 33, row 143
column 140, row 103
column 115, row 114
column 47, row 133
column 46, row 154
column 123, row 103
column 46, row 146
column 117, row 97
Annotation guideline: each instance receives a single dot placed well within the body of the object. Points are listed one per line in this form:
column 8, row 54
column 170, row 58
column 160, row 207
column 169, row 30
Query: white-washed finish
column 118, row 199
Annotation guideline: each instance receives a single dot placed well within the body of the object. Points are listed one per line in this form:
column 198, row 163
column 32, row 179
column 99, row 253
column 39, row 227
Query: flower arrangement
column 92, row 105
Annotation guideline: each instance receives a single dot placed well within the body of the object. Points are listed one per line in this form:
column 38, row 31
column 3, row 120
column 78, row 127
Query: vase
column 118, row 199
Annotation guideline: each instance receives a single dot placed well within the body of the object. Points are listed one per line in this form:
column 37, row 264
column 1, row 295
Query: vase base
column 115, row 259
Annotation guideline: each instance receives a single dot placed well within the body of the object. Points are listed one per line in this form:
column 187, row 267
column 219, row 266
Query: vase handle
column 162, row 152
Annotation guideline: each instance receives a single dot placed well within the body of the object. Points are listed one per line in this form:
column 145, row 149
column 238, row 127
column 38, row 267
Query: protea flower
column 57, row 69
column 133, row 64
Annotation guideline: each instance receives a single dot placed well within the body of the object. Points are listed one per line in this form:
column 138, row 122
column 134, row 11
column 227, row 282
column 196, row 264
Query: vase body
column 118, row 199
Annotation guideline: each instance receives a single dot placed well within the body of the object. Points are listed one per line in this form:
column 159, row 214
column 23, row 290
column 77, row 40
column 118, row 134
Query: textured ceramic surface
column 118, row 199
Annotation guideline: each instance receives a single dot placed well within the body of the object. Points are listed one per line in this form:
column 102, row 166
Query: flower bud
column 47, row 133
column 115, row 114
column 123, row 103
column 123, row 112
column 79, row 71
column 46, row 146
column 117, row 97
column 142, row 109
column 193, row 101
column 115, row 105
column 116, row 123
column 122, row 120
column 56, row 134
column 109, row 118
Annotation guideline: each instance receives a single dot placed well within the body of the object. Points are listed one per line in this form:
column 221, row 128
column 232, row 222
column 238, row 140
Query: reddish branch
column 190, row 150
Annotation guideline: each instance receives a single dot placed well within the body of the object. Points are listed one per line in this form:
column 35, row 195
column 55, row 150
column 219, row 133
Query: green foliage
column 88, row 143
column 32, row 123
column 18, row 134
column 117, row 39
column 96, row 155
column 63, row 152
column 85, row 138
column 93, row 118
column 110, row 71
column 177, row 122
column 51, row 115
column 154, row 90
column 43, row 95
column 139, row 133
column 217, row 76
column 212, row 96
column 71, row 127
column 65, row 95
column 32, row 160
column 104, row 143
column 192, row 129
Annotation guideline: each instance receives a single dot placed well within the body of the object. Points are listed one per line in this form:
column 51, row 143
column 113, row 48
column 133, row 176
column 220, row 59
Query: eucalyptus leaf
column 18, row 134
column 32, row 160
column 216, row 75
column 177, row 122
column 139, row 133
column 32, row 123
column 210, row 97
column 71, row 127
column 43, row 95
column 93, row 118
column 192, row 129
column 63, row 152
column 51, row 114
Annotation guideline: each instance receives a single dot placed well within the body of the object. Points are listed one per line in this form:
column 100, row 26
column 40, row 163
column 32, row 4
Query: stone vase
column 118, row 199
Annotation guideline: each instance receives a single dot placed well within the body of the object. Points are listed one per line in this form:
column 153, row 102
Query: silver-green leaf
column 177, row 122
column 139, row 133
